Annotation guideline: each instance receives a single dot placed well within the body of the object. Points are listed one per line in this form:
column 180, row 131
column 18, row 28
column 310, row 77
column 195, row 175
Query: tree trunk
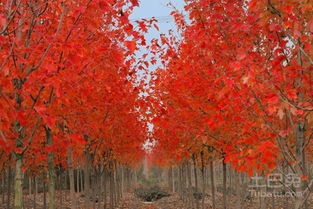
column 29, row 186
column 87, row 181
column 111, row 190
column 173, row 179
column 238, row 190
column 115, row 192
column 35, row 192
column 300, row 157
column 2, row 187
column 18, row 186
column 122, row 181
column 179, row 186
column 189, row 193
column 72, row 180
column 9, row 188
column 51, row 171
column 203, row 180
column 224, row 185
column 196, row 180
column 59, row 186
column 81, row 177
column 212, row 184
column 44, row 194
column 105, row 189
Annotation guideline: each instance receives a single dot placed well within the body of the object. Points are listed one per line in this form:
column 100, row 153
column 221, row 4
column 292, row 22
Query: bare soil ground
column 173, row 202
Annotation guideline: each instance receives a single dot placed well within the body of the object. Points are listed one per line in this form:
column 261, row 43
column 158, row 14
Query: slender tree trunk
column 203, row 180
column 94, row 186
column 18, row 186
column 212, row 184
column 114, row 186
column 173, row 179
column 169, row 179
column 51, row 171
column 44, row 194
column 224, row 185
column 29, row 186
column 3, row 187
column 179, row 188
column 77, row 181
column 122, row 181
column 184, row 180
column 111, row 190
column 238, row 190
column 87, row 181
column 59, row 187
column 72, row 180
column 35, row 193
column 196, row 180
column 105, row 189
column 9, row 188
column 81, row 177
column 300, row 129
column 189, row 193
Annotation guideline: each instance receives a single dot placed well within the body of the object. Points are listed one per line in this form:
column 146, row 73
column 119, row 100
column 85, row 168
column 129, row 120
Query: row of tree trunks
column 97, row 186
column 194, row 177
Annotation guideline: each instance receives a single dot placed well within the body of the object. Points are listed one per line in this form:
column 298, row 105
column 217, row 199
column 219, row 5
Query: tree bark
column 190, row 195
column 238, row 190
column 196, row 179
column 35, row 192
column 224, row 185
column 87, row 181
column 203, row 180
column 9, row 188
column 2, row 187
column 105, row 189
column 111, row 190
column 299, row 157
column 44, row 194
column 18, row 189
column 51, row 171
column 72, row 180
column 212, row 184
column 173, row 179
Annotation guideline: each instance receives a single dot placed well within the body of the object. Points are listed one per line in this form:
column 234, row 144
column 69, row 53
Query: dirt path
column 131, row 202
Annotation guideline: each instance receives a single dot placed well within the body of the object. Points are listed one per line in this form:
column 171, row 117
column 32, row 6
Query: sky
column 161, row 11
column 158, row 9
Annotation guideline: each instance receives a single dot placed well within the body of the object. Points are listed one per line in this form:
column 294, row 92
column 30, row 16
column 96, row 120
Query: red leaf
column 49, row 148
column 18, row 150
column 21, row 118
column 3, row 20
column 131, row 45
column 143, row 27
column 2, row 143
column 272, row 99
column 134, row 3
column 283, row 133
column 50, row 121
column 241, row 54
column 156, row 27
column 292, row 94
column 40, row 110
column 78, row 139
column 310, row 25
column 288, row 9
